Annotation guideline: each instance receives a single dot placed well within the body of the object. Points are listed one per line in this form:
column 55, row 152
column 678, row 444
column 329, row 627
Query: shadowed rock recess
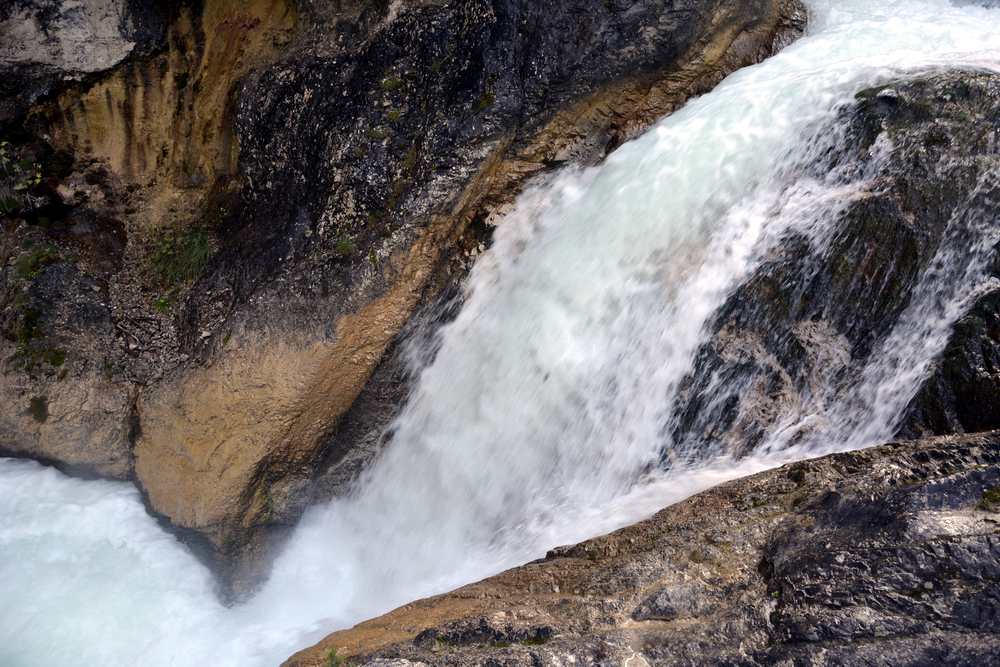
column 221, row 214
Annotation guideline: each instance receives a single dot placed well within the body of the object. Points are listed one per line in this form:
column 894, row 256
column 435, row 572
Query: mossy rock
column 990, row 502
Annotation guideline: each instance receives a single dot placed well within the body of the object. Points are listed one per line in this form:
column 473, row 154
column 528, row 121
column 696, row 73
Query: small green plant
column 990, row 502
column 333, row 660
column 377, row 133
column 484, row 102
column 396, row 194
column 394, row 115
column 410, row 161
column 344, row 247
column 30, row 264
column 54, row 357
column 162, row 304
column 179, row 254
column 18, row 176
column 391, row 83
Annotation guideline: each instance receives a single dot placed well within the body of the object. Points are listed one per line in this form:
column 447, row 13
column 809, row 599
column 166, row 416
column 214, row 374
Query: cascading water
column 546, row 411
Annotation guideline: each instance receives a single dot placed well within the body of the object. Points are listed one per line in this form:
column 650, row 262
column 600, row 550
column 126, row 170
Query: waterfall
column 545, row 416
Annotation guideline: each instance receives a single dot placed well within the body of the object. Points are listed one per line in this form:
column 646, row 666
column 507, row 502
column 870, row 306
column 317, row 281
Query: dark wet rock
column 916, row 162
column 961, row 396
column 884, row 556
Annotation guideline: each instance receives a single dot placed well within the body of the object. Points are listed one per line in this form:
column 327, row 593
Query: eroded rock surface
column 888, row 556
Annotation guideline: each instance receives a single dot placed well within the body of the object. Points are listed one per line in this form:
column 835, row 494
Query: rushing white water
column 539, row 420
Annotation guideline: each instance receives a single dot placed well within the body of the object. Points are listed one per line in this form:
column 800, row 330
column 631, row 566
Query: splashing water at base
column 542, row 414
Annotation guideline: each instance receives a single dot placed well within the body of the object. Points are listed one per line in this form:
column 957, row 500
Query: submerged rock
column 886, row 556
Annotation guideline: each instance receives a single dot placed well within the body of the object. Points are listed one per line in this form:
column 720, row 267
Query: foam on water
column 542, row 415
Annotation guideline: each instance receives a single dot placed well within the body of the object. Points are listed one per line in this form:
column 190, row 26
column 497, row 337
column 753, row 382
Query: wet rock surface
column 255, row 198
column 887, row 556
column 961, row 394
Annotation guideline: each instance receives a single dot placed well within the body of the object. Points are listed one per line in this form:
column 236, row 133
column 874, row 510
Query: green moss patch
column 38, row 408
column 179, row 254
column 990, row 502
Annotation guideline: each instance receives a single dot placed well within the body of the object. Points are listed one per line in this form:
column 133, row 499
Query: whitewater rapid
column 542, row 415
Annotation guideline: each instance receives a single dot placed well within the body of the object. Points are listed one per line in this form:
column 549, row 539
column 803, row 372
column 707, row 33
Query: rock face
column 363, row 169
column 888, row 556
column 125, row 150
column 45, row 42
column 916, row 164
column 254, row 199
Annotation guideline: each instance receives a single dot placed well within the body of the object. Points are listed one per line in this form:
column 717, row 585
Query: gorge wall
column 236, row 274
column 240, row 205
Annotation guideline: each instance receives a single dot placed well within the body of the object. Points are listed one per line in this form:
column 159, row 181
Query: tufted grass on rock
column 344, row 247
column 990, row 502
column 179, row 254
column 391, row 83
